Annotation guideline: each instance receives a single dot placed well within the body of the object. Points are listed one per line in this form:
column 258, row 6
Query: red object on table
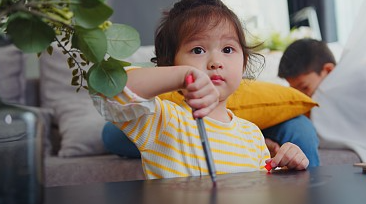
column 268, row 166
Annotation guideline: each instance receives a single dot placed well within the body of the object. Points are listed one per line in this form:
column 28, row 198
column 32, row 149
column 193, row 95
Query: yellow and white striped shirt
column 167, row 136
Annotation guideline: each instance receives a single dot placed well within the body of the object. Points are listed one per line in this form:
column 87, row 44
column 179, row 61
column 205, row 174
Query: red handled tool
column 204, row 141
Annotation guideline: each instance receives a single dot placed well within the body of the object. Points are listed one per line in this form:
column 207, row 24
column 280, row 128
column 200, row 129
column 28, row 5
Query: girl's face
column 217, row 52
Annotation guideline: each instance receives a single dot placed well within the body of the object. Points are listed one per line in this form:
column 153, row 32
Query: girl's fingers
column 304, row 164
column 202, row 96
column 195, row 91
column 272, row 146
column 279, row 157
column 300, row 163
column 202, row 112
column 291, row 155
column 295, row 162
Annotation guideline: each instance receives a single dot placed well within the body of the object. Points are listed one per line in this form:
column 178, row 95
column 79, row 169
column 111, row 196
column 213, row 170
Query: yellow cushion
column 265, row 104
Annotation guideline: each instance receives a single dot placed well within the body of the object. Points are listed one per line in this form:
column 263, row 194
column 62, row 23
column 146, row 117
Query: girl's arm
column 150, row 82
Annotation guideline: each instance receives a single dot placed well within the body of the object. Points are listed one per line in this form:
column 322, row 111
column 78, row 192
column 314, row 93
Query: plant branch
column 5, row 10
column 37, row 3
column 73, row 58
column 42, row 15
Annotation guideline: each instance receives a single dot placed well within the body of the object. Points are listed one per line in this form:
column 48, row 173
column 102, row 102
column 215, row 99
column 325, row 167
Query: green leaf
column 120, row 62
column 82, row 56
column 74, row 41
column 91, row 3
column 92, row 42
column 75, row 81
column 107, row 77
column 50, row 50
column 123, row 63
column 29, row 33
column 75, row 72
column 91, row 17
column 123, row 41
column 70, row 62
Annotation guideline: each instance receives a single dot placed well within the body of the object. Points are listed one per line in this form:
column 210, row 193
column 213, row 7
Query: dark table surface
column 324, row 185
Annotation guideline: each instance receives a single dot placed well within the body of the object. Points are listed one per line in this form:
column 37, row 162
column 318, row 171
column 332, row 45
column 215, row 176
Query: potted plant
column 82, row 30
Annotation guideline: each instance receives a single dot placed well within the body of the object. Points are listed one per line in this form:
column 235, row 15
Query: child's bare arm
column 291, row 156
column 150, row 82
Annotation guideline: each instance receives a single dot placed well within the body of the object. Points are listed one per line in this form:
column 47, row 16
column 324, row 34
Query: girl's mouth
column 217, row 79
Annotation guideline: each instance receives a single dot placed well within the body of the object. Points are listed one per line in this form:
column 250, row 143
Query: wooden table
column 324, row 185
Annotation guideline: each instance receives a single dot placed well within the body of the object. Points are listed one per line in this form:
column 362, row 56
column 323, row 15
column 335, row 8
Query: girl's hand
column 200, row 93
column 291, row 156
column 272, row 146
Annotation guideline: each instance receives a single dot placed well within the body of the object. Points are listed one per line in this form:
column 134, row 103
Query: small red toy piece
column 268, row 166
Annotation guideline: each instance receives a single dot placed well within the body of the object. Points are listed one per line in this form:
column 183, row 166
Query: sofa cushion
column 12, row 75
column 267, row 104
column 263, row 103
column 80, row 125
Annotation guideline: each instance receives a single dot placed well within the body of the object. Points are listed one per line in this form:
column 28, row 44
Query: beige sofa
column 74, row 153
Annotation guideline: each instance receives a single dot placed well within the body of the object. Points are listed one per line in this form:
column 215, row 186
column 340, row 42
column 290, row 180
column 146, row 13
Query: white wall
column 143, row 15
column 346, row 12
column 271, row 15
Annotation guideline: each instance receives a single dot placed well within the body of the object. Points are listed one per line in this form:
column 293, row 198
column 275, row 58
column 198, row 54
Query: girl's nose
column 215, row 65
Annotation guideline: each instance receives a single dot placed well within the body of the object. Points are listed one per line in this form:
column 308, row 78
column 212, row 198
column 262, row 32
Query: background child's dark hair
column 189, row 17
column 304, row 56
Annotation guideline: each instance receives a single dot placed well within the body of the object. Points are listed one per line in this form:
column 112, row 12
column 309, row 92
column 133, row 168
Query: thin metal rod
column 206, row 149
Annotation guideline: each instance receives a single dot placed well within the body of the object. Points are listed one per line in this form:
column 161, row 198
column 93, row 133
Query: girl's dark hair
column 189, row 17
column 304, row 56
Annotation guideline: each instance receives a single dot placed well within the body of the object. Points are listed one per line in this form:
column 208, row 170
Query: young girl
column 205, row 39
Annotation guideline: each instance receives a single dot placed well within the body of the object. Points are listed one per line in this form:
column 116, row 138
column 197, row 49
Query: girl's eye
column 198, row 50
column 227, row 50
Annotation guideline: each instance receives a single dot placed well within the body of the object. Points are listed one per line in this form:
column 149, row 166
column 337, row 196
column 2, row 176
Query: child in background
column 205, row 39
column 305, row 63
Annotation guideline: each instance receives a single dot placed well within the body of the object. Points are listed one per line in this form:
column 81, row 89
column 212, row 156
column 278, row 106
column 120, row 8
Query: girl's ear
column 328, row 67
